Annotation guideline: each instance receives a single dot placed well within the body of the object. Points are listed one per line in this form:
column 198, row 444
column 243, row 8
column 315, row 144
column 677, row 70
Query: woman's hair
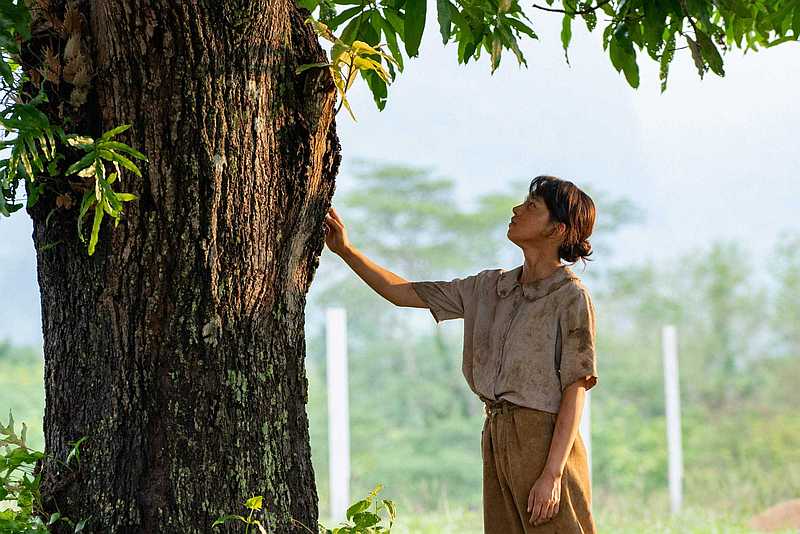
column 569, row 205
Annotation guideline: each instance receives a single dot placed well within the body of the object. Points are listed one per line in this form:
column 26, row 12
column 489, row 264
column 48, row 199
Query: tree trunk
column 178, row 347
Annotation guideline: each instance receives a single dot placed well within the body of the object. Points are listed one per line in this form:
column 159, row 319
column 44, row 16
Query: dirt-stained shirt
column 522, row 342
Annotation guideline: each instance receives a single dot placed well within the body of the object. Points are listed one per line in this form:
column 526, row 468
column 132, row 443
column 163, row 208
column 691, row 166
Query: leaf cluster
column 20, row 483
column 655, row 27
column 360, row 519
column 33, row 145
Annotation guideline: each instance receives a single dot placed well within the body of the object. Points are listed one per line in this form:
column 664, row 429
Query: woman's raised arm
column 390, row 286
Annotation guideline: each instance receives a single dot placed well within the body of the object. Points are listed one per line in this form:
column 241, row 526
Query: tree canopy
column 708, row 29
column 366, row 39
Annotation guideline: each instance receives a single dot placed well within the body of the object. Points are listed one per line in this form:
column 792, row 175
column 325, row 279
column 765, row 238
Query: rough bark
column 178, row 348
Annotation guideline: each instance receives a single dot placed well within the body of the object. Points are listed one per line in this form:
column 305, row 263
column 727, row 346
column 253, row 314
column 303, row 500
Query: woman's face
column 531, row 223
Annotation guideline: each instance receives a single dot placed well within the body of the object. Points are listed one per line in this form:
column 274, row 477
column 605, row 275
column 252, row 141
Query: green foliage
column 19, row 487
column 496, row 25
column 31, row 126
column 360, row 519
column 102, row 197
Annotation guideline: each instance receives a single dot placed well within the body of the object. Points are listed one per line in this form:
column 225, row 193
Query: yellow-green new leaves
column 102, row 196
column 357, row 56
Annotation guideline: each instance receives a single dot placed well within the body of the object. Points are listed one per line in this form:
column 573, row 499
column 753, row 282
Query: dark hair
column 569, row 205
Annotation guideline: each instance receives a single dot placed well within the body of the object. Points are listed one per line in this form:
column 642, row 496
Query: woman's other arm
column 544, row 499
column 387, row 284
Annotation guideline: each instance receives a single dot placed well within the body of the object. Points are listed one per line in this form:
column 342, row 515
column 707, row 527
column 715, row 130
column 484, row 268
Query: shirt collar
column 508, row 280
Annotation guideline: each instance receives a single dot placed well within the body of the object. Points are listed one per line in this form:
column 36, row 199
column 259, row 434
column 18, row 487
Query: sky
column 709, row 159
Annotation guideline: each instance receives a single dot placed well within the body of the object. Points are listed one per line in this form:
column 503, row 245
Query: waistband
column 494, row 407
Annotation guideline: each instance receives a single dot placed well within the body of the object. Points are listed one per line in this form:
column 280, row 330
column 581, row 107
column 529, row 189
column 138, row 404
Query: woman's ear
column 557, row 230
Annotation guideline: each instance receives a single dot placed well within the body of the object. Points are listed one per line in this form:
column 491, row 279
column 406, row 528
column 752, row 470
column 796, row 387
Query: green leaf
column 350, row 32
column 623, row 56
column 364, row 520
column 80, row 141
column 521, row 27
column 224, row 518
column 394, row 18
column 697, row 56
column 377, row 86
column 84, row 162
column 98, row 217
column 566, row 34
column 34, row 152
column 511, row 42
column 356, row 508
column 26, row 163
column 336, row 21
column 710, row 53
column 114, row 131
column 122, row 160
column 34, row 191
column 590, row 18
column 75, row 450
column 86, row 203
column 306, row 66
column 390, row 507
column 443, row 17
column 82, row 524
column 496, row 50
column 666, row 58
column 367, row 31
column 116, row 145
column 391, row 40
column 414, row 26
column 6, row 72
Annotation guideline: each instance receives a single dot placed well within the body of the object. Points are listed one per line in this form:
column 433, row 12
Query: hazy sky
column 708, row 159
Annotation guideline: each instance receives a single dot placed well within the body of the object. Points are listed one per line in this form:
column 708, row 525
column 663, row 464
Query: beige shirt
column 522, row 342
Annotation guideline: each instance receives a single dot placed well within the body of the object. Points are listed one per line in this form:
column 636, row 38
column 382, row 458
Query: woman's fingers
column 537, row 509
column 333, row 222
column 548, row 513
column 542, row 517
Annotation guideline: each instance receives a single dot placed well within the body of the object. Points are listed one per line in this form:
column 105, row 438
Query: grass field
column 692, row 520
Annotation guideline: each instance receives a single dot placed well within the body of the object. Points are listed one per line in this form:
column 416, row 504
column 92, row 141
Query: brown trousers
column 515, row 443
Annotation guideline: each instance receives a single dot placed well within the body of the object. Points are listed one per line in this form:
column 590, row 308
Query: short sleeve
column 578, row 358
column 447, row 299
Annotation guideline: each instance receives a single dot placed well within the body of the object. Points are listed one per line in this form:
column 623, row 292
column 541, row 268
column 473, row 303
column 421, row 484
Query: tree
column 176, row 345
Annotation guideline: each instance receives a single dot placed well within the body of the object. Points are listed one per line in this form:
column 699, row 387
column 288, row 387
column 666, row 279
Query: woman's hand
column 544, row 498
column 335, row 234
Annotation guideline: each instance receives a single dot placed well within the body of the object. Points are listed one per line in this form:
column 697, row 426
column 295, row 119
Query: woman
column 528, row 354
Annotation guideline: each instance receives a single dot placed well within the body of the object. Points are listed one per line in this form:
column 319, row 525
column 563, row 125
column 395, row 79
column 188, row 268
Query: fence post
column 338, row 413
column 669, row 344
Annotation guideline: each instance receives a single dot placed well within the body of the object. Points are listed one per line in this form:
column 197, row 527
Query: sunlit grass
column 638, row 518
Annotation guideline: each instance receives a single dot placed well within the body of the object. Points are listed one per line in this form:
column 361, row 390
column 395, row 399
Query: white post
column 669, row 345
column 586, row 429
column 338, row 417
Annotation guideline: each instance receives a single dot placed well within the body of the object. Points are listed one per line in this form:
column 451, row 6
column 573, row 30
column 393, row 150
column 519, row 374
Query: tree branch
column 580, row 12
